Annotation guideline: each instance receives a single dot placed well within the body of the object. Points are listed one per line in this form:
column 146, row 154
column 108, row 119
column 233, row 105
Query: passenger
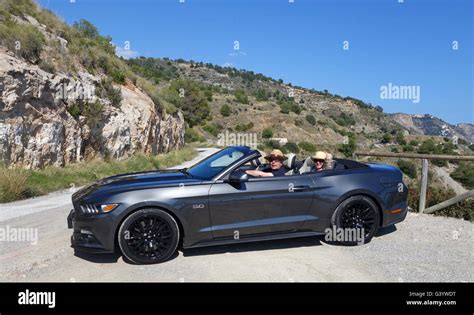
column 319, row 158
column 276, row 168
column 329, row 162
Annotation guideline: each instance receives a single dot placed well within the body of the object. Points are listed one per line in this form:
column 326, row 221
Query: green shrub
column 288, row 105
column 414, row 143
column 408, row 148
column 118, row 77
column 344, row 119
column 349, row 148
column 386, row 138
column 291, row 147
column 262, row 95
column 267, row 133
column 93, row 113
column 191, row 135
column 463, row 210
column 464, row 174
column 400, row 138
column 427, row 147
column 225, row 110
column 187, row 96
column 407, row 167
column 47, row 66
column 213, row 128
column 310, row 118
column 241, row 97
column 23, row 39
column 307, row 147
column 75, row 110
column 244, row 127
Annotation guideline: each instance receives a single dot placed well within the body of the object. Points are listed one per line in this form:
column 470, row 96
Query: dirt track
column 422, row 248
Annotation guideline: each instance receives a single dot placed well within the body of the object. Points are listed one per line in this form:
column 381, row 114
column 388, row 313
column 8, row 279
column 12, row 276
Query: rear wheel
column 357, row 219
column 148, row 236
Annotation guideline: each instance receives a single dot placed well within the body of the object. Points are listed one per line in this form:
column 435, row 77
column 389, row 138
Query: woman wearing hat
column 276, row 159
column 318, row 160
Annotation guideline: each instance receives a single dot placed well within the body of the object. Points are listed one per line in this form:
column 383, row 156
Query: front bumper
column 93, row 234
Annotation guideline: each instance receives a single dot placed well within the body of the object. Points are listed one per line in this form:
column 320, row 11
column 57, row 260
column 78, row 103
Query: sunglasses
column 273, row 159
column 318, row 161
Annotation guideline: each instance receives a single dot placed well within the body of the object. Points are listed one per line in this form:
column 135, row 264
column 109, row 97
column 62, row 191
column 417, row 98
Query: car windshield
column 216, row 163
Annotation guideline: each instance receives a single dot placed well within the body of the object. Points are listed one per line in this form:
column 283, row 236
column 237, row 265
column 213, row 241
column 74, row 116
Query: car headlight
column 96, row 209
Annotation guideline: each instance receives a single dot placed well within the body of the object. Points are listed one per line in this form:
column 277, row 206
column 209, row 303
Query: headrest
column 309, row 161
column 290, row 161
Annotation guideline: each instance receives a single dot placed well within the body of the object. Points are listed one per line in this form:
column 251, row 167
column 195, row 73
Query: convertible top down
column 147, row 215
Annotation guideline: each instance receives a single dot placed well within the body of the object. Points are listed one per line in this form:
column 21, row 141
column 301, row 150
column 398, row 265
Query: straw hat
column 276, row 154
column 320, row 155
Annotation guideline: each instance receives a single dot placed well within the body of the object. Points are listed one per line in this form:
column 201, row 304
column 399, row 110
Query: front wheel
column 148, row 236
column 356, row 220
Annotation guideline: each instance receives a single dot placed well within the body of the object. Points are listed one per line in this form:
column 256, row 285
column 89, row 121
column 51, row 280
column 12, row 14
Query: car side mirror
column 238, row 176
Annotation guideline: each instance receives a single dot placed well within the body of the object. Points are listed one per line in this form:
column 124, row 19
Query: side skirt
column 254, row 239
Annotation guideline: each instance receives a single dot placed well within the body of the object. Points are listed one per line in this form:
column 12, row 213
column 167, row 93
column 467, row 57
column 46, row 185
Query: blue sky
column 408, row 44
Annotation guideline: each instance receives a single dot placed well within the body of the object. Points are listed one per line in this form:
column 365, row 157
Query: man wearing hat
column 276, row 159
column 318, row 160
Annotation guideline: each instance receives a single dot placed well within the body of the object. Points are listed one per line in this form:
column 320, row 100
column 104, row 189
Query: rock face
column 37, row 130
column 430, row 125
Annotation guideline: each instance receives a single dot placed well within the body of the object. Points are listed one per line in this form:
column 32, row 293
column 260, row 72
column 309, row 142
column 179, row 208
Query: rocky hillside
column 425, row 124
column 55, row 109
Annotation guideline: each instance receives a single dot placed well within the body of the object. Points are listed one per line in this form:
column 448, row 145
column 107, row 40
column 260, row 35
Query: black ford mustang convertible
column 147, row 215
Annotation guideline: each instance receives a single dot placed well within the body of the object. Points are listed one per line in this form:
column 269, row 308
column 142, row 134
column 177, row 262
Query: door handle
column 301, row 188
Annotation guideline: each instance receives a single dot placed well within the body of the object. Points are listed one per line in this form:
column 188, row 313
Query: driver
column 276, row 159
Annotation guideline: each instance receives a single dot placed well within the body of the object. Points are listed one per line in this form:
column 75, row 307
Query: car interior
column 298, row 167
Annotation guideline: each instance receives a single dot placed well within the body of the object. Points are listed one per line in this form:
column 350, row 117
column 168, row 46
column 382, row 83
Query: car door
column 262, row 205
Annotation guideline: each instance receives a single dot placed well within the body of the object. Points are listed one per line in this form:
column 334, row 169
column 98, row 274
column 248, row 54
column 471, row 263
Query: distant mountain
column 427, row 124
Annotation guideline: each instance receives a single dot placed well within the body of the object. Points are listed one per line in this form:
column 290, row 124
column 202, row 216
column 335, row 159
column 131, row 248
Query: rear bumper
column 91, row 234
column 395, row 215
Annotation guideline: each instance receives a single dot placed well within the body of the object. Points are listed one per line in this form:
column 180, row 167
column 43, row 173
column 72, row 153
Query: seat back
column 329, row 163
column 307, row 166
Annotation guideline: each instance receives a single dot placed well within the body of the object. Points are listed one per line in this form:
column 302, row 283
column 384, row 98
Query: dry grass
column 18, row 184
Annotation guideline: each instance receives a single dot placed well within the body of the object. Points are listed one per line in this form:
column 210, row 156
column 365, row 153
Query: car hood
column 134, row 181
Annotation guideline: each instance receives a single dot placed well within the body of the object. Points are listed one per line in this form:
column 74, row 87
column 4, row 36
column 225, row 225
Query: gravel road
column 422, row 248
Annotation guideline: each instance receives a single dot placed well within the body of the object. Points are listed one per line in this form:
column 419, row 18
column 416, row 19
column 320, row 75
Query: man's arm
column 258, row 173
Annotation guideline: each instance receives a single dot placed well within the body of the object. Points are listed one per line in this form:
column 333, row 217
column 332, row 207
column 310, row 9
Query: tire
column 355, row 213
column 148, row 236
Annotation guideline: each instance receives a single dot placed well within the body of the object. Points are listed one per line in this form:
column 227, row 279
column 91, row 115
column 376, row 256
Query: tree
column 187, row 96
column 86, row 29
